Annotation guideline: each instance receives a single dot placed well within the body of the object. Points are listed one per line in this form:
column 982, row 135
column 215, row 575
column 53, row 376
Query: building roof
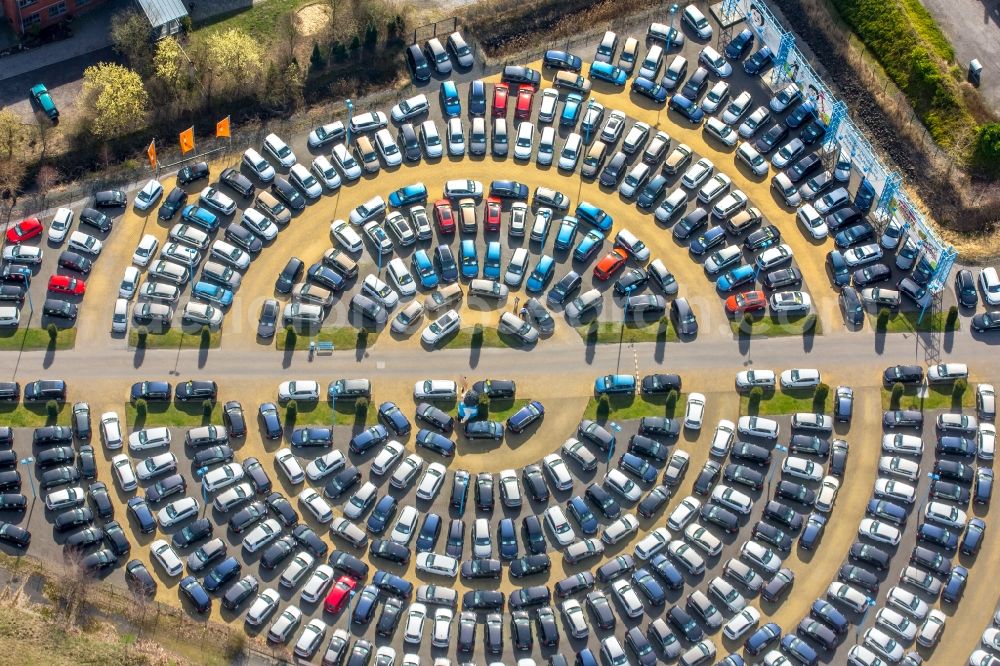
column 162, row 12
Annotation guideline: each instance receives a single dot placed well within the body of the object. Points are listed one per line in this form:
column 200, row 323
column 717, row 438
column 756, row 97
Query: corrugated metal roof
column 161, row 12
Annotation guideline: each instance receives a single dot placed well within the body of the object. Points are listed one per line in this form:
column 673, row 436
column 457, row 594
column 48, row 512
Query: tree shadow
column 361, row 344
column 476, row 345
column 203, row 345
column 659, row 351
column 590, row 344
column 289, row 348
column 809, row 334
column 140, row 351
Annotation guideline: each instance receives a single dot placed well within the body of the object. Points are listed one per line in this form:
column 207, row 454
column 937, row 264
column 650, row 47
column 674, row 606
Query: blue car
column 707, row 241
column 685, row 107
column 491, row 263
column 650, row 587
column 734, row 278
column 507, row 536
column 593, row 215
column 762, row 638
column 608, row 72
column 615, row 384
column 469, row 259
column 584, row 517
column 424, row 269
column 410, row 194
column 200, row 217
column 571, row 110
column 541, row 275
column 445, row 262
column 567, row 233
column 450, row 102
column 212, row 293
column 588, row 245
column 759, row 61
column 525, row 416
column 741, row 43
column 382, row 514
column 637, row 466
column 650, row 89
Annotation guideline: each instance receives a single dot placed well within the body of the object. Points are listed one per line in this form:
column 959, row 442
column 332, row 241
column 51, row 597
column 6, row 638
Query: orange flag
column 151, row 153
column 187, row 140
column 222, row 127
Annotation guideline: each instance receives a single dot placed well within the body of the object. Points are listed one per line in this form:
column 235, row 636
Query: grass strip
column 34, row 339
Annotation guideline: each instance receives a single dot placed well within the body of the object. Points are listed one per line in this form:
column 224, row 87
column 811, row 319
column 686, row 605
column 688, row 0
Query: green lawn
column 33, row 339
column 174, row 339
column 626, row 407
column 475, row 337
column 613, row 332
column 500, row 410
column 785, row 402
column 342, row 337
column 31, row 416
column 172, row 414
column 938, row 397
column 771, row 326
column 259, row 20
column 323, row 413
column 906, row 322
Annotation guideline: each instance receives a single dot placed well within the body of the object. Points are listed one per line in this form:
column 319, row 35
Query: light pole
column 350, row 114
column 27, row 462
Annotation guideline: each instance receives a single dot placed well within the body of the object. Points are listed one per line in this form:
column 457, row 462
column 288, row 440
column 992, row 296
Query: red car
column 748, row 301
column 523, row 108
column 611, row 263
column 64, row 284
column 492, row 220
column 500, row 92
column 24, row 230
column 340, row 594
column 444, row 216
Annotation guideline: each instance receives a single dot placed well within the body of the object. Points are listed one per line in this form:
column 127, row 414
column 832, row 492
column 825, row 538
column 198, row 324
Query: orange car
column 64, row 284
column 523, row 108
column 611, row 263
column 748, row 301
column 500, row 92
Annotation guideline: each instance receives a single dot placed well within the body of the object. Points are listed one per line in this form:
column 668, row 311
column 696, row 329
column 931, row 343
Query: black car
column 12, row 293
column 48, row 435
column 288, row 194
column 80, row 420
column 96, row 219
column 690, row 224
column 308, row 539
column 828, row 614
column 192, row 533
column 965, row 289
column 483, row 600
column 860, row 232
column 593, row 432
column 520, row 75
column 99, row 497
column 368, row 438
column 952, row 492
column 803, row 167
column 858, row 576
column 779, row 584
column 869, row 275
column 759, row 61
column 267, row 321
column 771, row 138
column 13, row 502
column 435, row 417
column 325, row 277
column 903, row 418
column 10, row 479
column 740, row 45
column 394, row 419
column 604, row 501
column 139, row 580
column 484, row 491
column 721, row 517
column 456, row 538
column 349, row 564
column 143, row 515
column 289, row 275
column 248, row 516
column 270, row 420
column 684, row 623
column 534, row 483
column 191, row 391
column 743, row 475
column 600, row 608
column 110, row 199
column 83, row 539
column 73, row 518
column 150, row 392
column 531, row 532
column 75, row 262
column 661, row 383
column 783, row 514
column 956, row 471
column 565, row 288
column 440, row 444
column 529, row 565
column 815, row 524
column 213, row 455
column 614, row 170
column 763, row 238
column 819, row 632
column 509, row 189
column 796, row 492
column 809, row 444
column 653, row 502
column 321, row 437
column 173, row 202
column 429, row 532
column 192, row 172
column 60, row 309
column 802, row 113
column 812, row 132
column 87, row 463
column 751, row 453
column 237, row 181
column 277, row 552
column 242, row 237
column 222, row 573
column 561, row 60
column 388, row 619
column 659, row 426
column 648, row 448
column 342, row 481
column 239, row 592
column 870, row 555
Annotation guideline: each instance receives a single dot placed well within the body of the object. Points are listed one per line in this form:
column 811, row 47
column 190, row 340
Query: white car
column 947, row 372
column 897, row 623
column 613, row 127
column 621, row 484
column 410, row 108
column 456, row 137
column 405, row 527
column 879, row 531
column 289, row 465
column 387, row 148
column 64, row 498
column 801, row 468
column 122, row 467
column 908, row 445
column 78, row 242
column 547, row 105
column 698, row 173
column 325, row 465
column 316, row 505
column 559, row 526
column 574, row 618
column 177, row 511
column 652, row 543
column 111, row 430
column 773, row 257
column 570, row 153
column 725, row 134
column 148, row 439
column 297, row 569
column 431, row 140
column 401, row 277
column 524, row 142
column 884, row 645
column 435, row 389
column 147, row 197
column 756, row 162
column 989, row 282
column 222, row 476
column 279, row 150
column 167, row 557
column 145, row 250
column 441, row 636
column 722, row 438
column 432, row 481
column 800, row 378
column 902, row 468
column 932, row 628
column 862, row 255
column 812, row 222
column 629, row 242
column 694, row 411
column 717, row 94
column 380, row 291
column 510, row 491
column 324, row 134
column 216, row 200
column 304, row 179
column 945, row 514
column 406, row 472
column 558, row 473
column 908, row 602
column 281, row 629
column 620, row 529
column 437, row 564
column 311, row 639
column 298, row 390
column 741, row 624
column 827, row 495
column 737, row 107
column 546, row 147
column 346, row 236
column 262, row 534
column 895, row 490
column 233, row 497
column 634, row 180
column 441, row 328
column 148, row 468
column 761, row 556
column 413, row 627
column 262, row 607
column 716, row 186
column 747, row 379
column 346, row 162
column 189, row 235
column 986, row 441
column 318, row 583
column 684, row 513
column 628, row 598
column 129, row 284
column 732, row 499
column 60, row 225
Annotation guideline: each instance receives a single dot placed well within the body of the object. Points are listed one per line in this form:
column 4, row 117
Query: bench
column 322, row 347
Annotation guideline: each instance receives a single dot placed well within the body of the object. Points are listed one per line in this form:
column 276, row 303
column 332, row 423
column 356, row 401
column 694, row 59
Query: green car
column 40, row 94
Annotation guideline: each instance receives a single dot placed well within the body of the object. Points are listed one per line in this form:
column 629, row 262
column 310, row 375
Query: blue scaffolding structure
column 779, row 73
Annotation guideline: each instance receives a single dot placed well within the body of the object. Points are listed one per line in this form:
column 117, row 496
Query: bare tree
column 75, row 584
column 46, row 179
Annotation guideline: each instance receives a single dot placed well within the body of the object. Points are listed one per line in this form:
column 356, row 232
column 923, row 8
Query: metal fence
column 441, row 28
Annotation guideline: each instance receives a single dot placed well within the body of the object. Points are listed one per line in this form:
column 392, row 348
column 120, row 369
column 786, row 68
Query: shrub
column 883, row 320
column 959, row 388
column 603, row 407
column 206, row 336
column 753, row 402
column 747, row 324
column 206, row 409
column 896, row 396
column 52, row 410
column 987, row 150
column 53, row 332
column 809, row 323
column 820, row 396
column 951, row 321
column 361, row 408
column 670, row 403
column 291, row 412
column 141, row 408
column 317, row 60
column 290, row 337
